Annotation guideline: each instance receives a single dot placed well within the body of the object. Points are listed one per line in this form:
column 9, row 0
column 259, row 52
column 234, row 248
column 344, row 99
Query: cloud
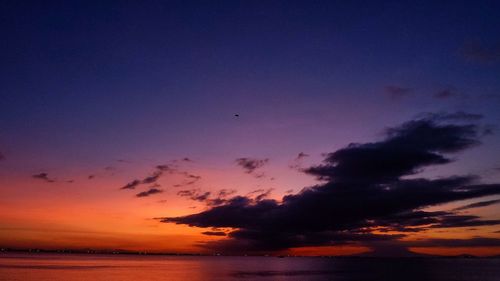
column 223, row 193
column 480, row 53
column 249, row 165
column 415, row 221
column 472, row 242
column 190, row 179
column 164, row 168
column 297, row 162
column 131, row 185
column 365, row 187
column 220, row 198
column 209, row 198
column 478, row 205
column 2, row 157
column 456, row 116
column 260, row 194
column 201, row 197
column 301, row 155
column 446, row 93
column 195, row 194
column 44, row 177
column 395, row 92
column 106, row 170
column 186, row 193
column 260, row 190
column 214, row 233
column 463, row 221
column 109, row 168
column 153, row 178
column 149, row 192
column 264, row 195
column 408, row 148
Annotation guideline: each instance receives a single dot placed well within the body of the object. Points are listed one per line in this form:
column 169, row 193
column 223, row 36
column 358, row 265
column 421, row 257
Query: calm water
column 45, row 267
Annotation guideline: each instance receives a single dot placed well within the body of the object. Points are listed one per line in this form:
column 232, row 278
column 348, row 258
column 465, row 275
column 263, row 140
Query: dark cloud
column 463, row 221
column 478, row 204
column 214, row 233
column 395, row 92
column 243, row 241
column 297, row 162
column 109, row 168
column 365, row 188
column 411, row 221
column 106, row 170
column 481, row 53
column 189, row 179
column 263, row 194
column 220, row 197
column 456, row 116
column 260, row 190
column 259, row 194
column 406, row 149
column 446, row 93
column 44, row 177
column 460, row 115
column 164, row 168
column 195, row 194
column 472, row 242
column 149, row 192
column 153, row 178
column 184, row 159
column 416, row 221
column 131, row 185
column 208, row 198
column 187, row 193
column 251, row 164
column 223, row 193
column 301, row 155
column 201, row 197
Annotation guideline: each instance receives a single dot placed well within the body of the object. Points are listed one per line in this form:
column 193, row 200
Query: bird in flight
column 236, row 115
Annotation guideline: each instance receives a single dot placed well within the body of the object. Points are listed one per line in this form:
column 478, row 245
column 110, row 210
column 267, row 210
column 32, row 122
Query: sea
column 86, row 267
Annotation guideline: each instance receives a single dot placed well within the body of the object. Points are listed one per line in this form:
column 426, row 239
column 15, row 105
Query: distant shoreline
column 140, row 253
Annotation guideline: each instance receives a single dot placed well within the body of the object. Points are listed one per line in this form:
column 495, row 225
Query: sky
column 251, row 127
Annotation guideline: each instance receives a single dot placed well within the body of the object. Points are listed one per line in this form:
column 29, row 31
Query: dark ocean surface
column 78, row 267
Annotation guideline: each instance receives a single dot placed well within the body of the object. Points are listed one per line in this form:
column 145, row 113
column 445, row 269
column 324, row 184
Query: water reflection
column 45, row 267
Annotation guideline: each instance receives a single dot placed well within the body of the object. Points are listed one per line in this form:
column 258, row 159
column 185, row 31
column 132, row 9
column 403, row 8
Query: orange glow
column 455, row 251
column 96, row 214
column 329, row 251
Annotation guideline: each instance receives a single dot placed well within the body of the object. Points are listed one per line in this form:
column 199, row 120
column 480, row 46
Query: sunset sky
column 284, row 127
